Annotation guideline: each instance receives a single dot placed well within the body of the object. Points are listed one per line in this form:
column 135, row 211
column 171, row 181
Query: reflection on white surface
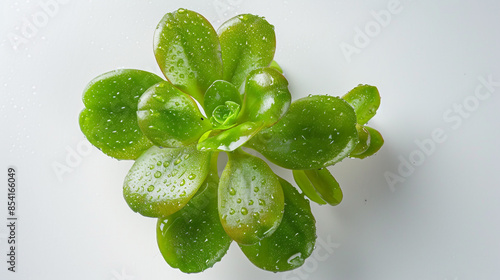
column 427, row 61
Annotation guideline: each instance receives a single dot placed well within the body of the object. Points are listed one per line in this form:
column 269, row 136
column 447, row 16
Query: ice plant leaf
column 109, row 121
column 163, row 180
column 169, row 117
column 324, row 183
column 292, row 242
column 187, row 49
column 266, row 96
column 363, row 141
column 376, row 142
column 218, row 94
column 365, row 99
column 230, row 139
column 192, row 239
column 317, row 131
column 276, row 66
column 251, row 199
column 247, row 42
column 306, row 186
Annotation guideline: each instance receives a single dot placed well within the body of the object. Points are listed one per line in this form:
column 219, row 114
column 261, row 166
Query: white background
column 439, row 222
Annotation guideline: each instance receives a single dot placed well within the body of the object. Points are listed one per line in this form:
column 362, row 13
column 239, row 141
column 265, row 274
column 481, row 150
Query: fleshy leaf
column 376, row 142
column 292, row 242
column 247, row 42
column 307, row 188
column 169, row 117
column 109, row 120
column 325, row 185
column 276, row 66
column 365, row 99
column 193, row 239
column 225, row 115
column 163, row 180
column 218, row 94
column 187, row 49
column 316, row 132
column 266, row 96
column 251, row 199
column 363, row 141
column 230, row 139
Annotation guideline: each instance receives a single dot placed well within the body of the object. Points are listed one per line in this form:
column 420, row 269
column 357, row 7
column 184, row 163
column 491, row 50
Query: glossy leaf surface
column 292, row 242
column 247, row 42
column 365, row 99
column 192, row 239
column 169, row 117
column 218, row 94
column 230, row 139
column 317, row 131
column 187, row 50
column 251, row 200
column 325, row 185
column 306, row 186
column 363, row 141
column 109, row 120
column 376, row 142
column 266, row 96
column 163, row 180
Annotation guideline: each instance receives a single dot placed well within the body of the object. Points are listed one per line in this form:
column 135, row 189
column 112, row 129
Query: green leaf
column 276, row 66
column 365, row 99
column 363, row 141
column 109, row 120
column 251, row 199
column 225, row 115
column 376, row 142
column 292, row 242
column 193, row 239
column 325, row 185
column 218, row 94
column 266, row 96
column 230, row 139
column 163, row 180
column 247, row 42
column 316, row 132
column 187, row 49
column 305, row 185
column 169, row 117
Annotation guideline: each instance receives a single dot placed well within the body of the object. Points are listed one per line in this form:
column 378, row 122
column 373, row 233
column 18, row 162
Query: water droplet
column 151, row 167
column 177, row 161
column 183, row 182
column 180, row 62
column 238, row 200
column 231, row 212
column 157, row 174
column 295, row 259
column 186, row 156
column 151, row 188
column 232, row 191
column 166, row 164
column 244, row 211
column 256, row 189
column 174, row 172
column 250, row 202
column 253, row 178
column 182, row 194
column 256, row 215
column 181, row 10
column 191, row 176
column 262, row 202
